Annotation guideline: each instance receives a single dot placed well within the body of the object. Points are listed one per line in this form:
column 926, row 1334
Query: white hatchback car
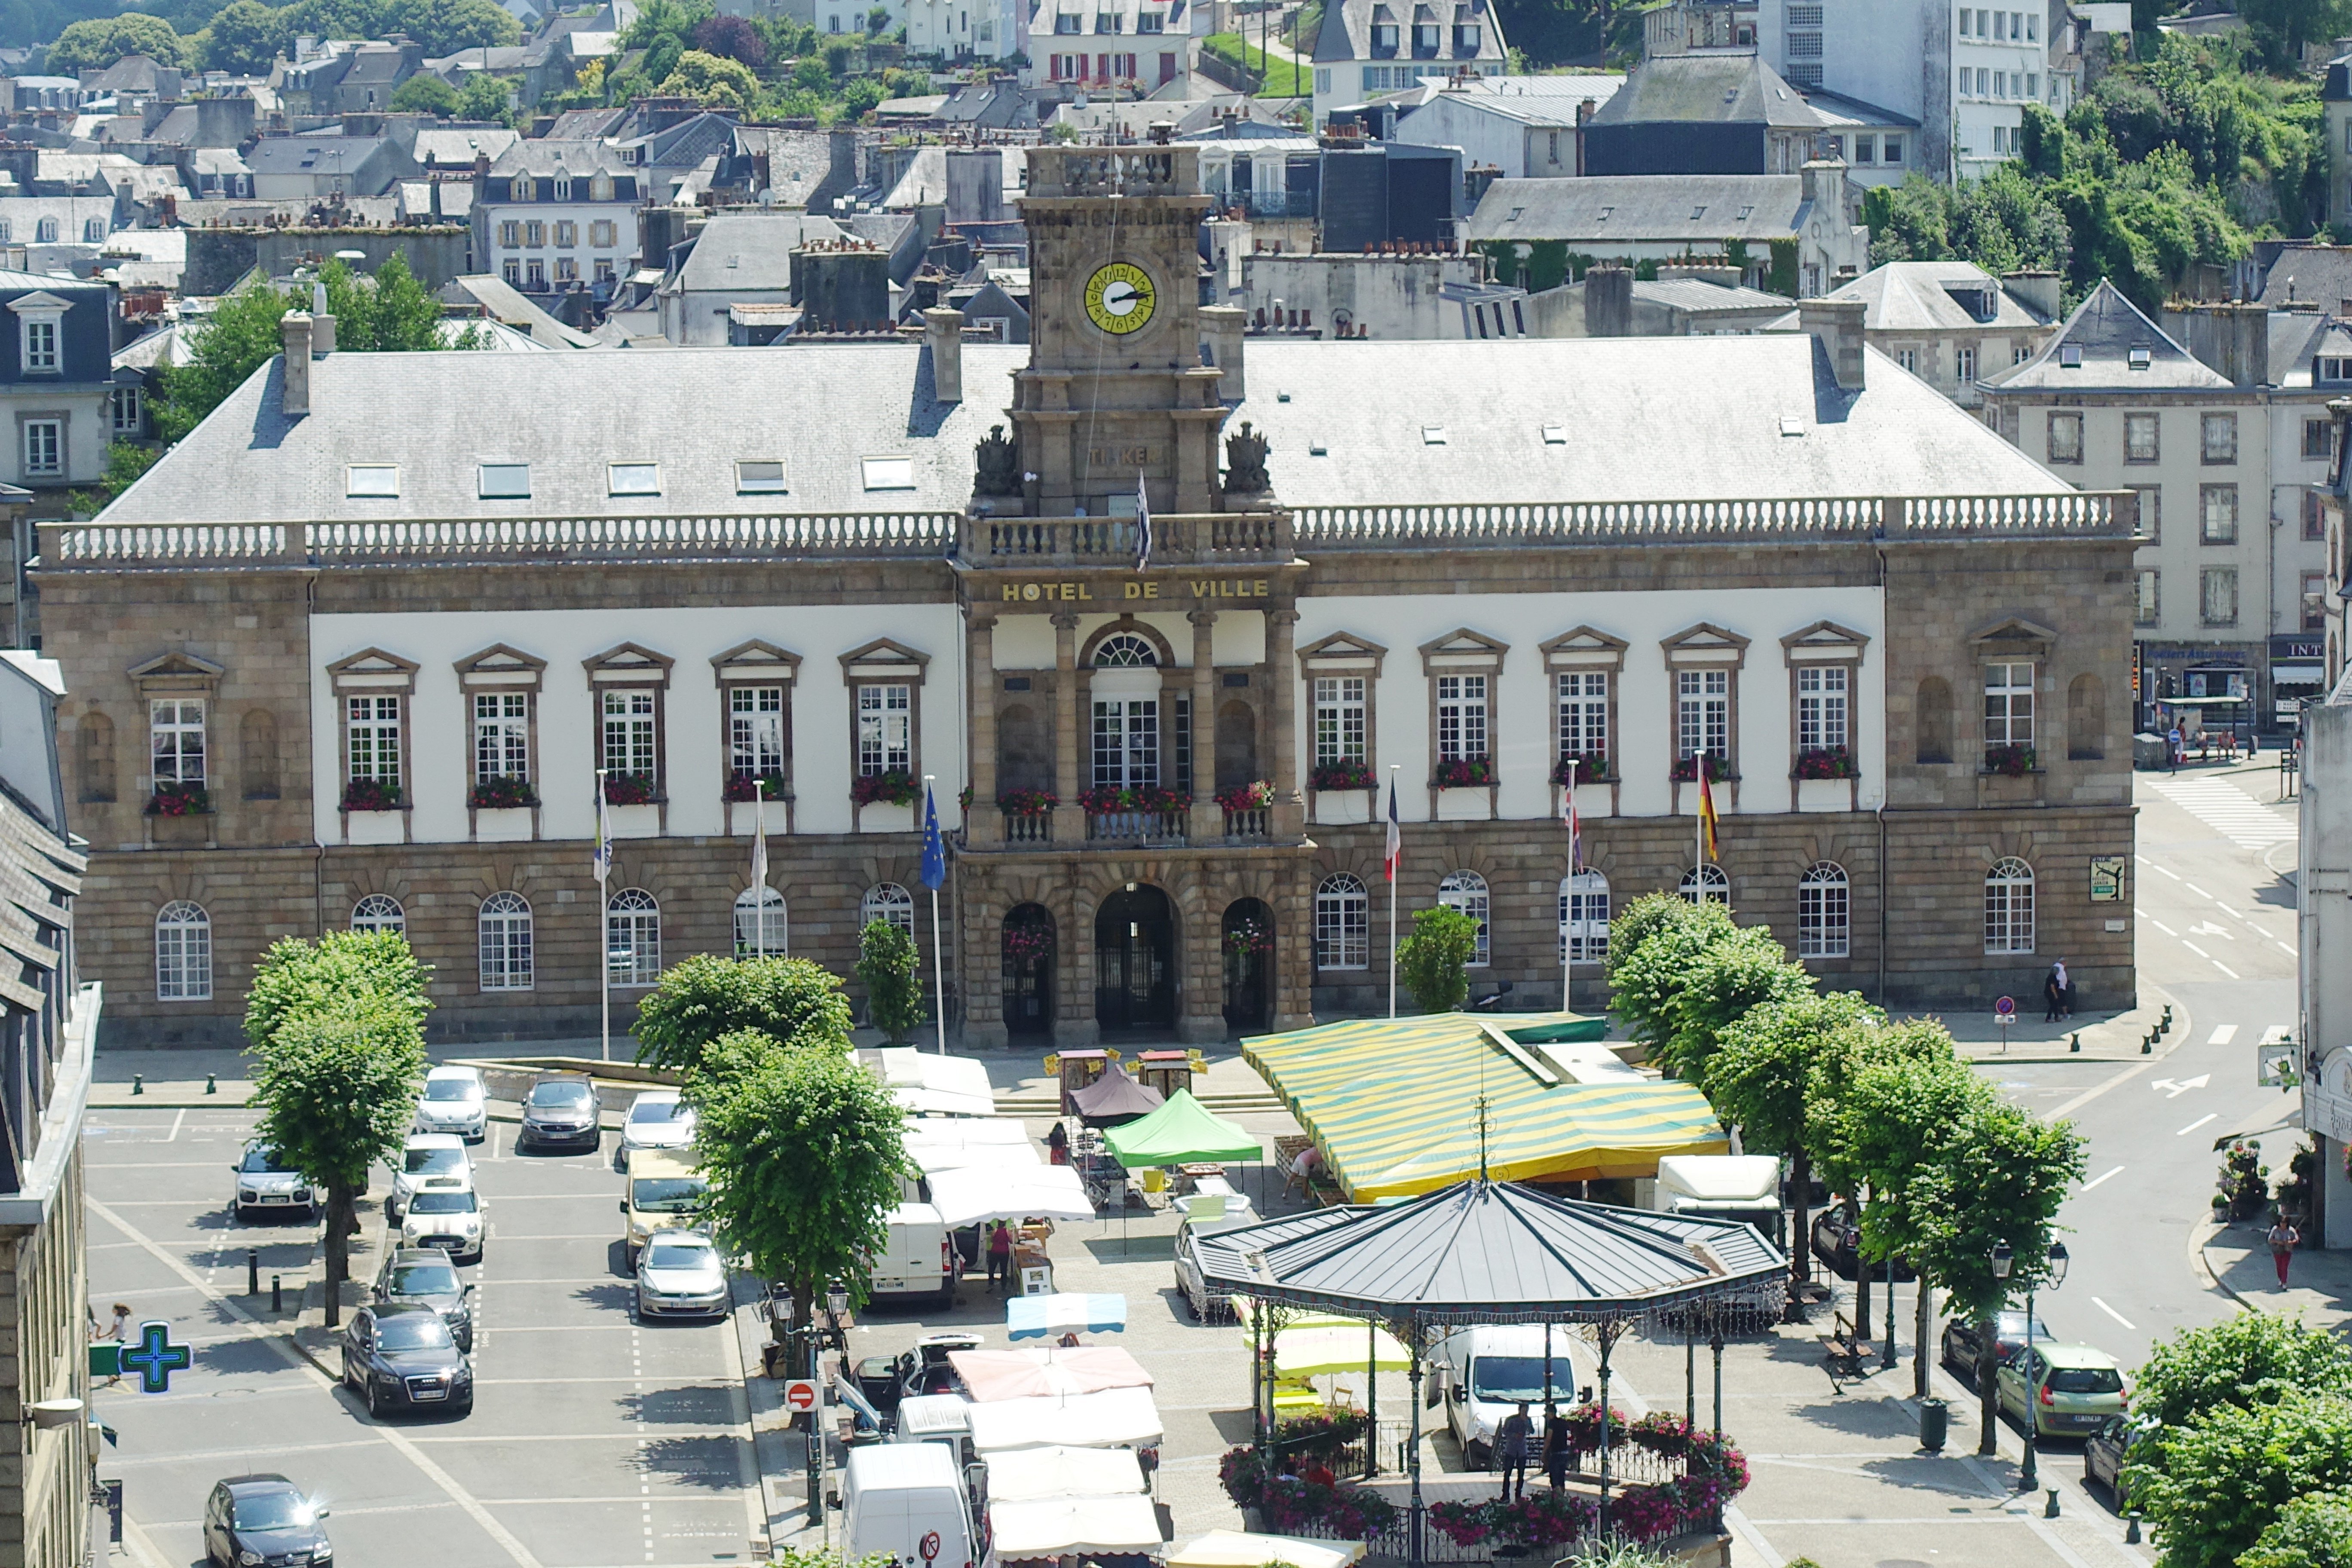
column 658, row 1120
column 456, row 1101
column 430, row 1162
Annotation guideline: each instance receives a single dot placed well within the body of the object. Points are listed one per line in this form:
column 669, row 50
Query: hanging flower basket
column 1249, row 936
column 371, row 795
column 628, row 789
column 1027, row 802
column 174, row 799
column 1584, row 768
column 1247, row 797
column 1825, row 763
column 895, row 786
column 501, row 794
column 2009, row 762
column 1306, row 1500
column 1025, row 945
column 1465, row 772
column 1685, row 770
column 1151, row 798
column 1349, row 773
column 755, row 786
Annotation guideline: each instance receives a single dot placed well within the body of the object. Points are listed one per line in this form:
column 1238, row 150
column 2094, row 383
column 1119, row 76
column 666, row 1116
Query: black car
column 561, row 1114
column 404, row 1358
column 425, row 1277
column 1837, row 1241
column 1961, row 1346
column 264, row 1522
column 2107, row 1451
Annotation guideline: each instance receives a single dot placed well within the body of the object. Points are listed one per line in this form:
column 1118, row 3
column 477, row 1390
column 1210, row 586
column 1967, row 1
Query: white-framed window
column 758, row 476
column 2140, row 438
column 1705, row 884
column 501, row 736
column 373, row 732
column 1461, row 718
column 125, row 410
column 887, row 901
column 2217, row 514
column 2008, row 704
column 45, row 447
column 1338, row 718
column 599, row 233
column 633, row 938
column 628, row 732
column 1126, row 743
column 1584, row 714
column 2148, row 597
column 2008, row 908
column 1824, row 919
column 1584, row 918
column 755, row 731
column 884, row 730
column 1466, row 891
column 175, row 731
column 379, row 911
column 2216, row 596
column 46, row 231
column 1343, row 931
column 502, row 933
column 184, row 952
column 1702, row 713
column 39, row 334
column 1964, row 365
column 761, row 929
column 1822, row 691
column 633, row 478
column 2219, row 438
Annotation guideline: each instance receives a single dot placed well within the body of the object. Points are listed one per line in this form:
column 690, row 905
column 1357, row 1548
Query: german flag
column 1706, row 819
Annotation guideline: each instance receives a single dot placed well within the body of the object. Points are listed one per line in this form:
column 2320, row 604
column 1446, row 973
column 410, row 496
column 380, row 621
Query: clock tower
column 1115, row 386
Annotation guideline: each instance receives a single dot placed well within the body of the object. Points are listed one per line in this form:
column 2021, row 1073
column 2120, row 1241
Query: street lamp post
column 2055, row 1270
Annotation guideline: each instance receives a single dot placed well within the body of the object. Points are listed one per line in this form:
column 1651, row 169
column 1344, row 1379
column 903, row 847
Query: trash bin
column 1935, row 1421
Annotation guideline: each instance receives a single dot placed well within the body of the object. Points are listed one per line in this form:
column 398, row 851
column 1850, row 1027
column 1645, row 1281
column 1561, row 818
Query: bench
column 1843, row 1351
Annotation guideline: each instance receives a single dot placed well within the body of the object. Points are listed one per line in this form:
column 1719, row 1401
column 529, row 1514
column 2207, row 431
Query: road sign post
column 2005, row 1010
column 801, row 1396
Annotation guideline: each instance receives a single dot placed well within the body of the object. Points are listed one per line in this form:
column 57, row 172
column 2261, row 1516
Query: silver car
column 266, row 1184
column 681, row 1275
column 660, row 1119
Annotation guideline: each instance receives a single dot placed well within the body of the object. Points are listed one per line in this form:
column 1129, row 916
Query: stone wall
column 45, row 1512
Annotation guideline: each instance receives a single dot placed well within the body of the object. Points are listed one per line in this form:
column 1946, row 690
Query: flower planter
column 503, row 824
column 635, row 821
column 376, row 828
column 1472, row 805
column 186, row 830
column 1341, row 807
column 1593, row 800
column 1824, row 794
column 743, row 818
column 881, row 817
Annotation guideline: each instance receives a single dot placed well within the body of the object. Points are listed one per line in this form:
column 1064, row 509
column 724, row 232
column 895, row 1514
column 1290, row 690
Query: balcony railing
column 1255, row 823
column 1029, row 828
column 1136, row 827
column 1207, row 539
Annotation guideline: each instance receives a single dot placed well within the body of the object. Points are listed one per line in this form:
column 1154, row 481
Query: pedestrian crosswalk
column 2229, row 811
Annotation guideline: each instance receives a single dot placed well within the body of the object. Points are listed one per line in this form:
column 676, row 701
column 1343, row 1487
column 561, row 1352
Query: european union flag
column 935, row 854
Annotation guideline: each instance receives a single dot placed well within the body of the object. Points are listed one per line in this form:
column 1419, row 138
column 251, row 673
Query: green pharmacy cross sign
column 156, row 1358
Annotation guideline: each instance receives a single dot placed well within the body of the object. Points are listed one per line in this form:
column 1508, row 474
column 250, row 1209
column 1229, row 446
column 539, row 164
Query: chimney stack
column 1608, row 302
column 294, row 383
column 1221, row 338
column 943, row 332
column 1838, row 324
column 2037, row 291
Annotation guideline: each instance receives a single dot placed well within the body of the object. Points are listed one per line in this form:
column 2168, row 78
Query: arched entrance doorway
column 1028, row 950
column 1135, row 961
column 1248, row 945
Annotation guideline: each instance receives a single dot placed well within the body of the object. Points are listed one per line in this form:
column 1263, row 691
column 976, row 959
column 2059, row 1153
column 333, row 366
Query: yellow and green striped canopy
column 1394, row 1104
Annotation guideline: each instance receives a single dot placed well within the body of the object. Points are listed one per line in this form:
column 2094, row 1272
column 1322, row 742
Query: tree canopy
column 1745, row 969
column 1433, row 959
column 1652, row 943
column 704, row 997
column 426, row 94
column 101, row 41
column 886, row 966
column 2313, row 1531
column 2229, row 1475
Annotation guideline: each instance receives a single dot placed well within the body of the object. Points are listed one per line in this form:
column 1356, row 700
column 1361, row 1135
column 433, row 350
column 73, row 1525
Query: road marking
column 2196, row 1124
column 2161, row 926
column 2111, row 1312
column 2284, row 948
column 2094, row 1181
column 2233, row 914
column 2181, row 1086
column 2198, row 950
column 2225, row 969
column 2229, row 811
column 2223, row 1034
column 2214, row 928
column 173, row 1134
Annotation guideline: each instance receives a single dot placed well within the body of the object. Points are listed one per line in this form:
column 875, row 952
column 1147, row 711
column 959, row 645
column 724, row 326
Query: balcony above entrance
column 1214, row 539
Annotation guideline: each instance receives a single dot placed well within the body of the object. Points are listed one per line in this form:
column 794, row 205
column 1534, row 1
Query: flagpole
column 939, row 955
column 604, row 928
column 1396, row 877
column 1574, row 764
column 759, row 868
column 1698, row 828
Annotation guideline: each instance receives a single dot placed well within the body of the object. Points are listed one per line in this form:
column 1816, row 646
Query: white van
column 894, row 1495
column 1723, row 1186
column 918, row 1258
column 942, row 1418
column 1486, row 1373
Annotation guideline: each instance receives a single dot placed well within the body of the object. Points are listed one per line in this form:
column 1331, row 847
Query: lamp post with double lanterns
column 2054, row 1271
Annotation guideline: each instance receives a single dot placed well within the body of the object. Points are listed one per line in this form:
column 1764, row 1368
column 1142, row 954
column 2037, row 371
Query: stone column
column 983, row 823
column 1069, row 821
column 1208, row 817
column 1289, row 813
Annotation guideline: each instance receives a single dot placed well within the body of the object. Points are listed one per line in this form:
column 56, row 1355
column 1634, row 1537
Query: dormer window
column 2331, row 369
column 1465, row 39
column 2070, row 356
column 1425, row 37
column 505, row 481
column 41, row 325
column 1150, row 22
column 1108, row 22
column 562, row 188
column 1384, row 38
column 1066, row 23
column 2139, row 357
column 600, row 189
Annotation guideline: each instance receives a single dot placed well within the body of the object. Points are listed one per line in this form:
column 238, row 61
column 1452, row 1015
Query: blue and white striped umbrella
column 1034, row 1317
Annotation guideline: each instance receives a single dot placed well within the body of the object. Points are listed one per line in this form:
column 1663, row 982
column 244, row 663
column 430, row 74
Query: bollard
column 2148, row 1047
column 253, row 1271
column 277, row 1292
column 211, row 1084
column 2050, row 1509
column 139, row 1083
column 2075, row 1041
column 2166, row 1022
column 2131, row 1528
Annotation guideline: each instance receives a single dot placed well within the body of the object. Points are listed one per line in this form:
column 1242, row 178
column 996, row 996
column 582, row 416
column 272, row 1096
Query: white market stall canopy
column 1117, row 1417
column 932, row 1158
column 1055, row 1527
column 924, row 1082
column 1241, row 1549
column 967, row 1131
column 1032, row 1475
column 972, row 1194
column 996, row 1375
column 1065, row 1311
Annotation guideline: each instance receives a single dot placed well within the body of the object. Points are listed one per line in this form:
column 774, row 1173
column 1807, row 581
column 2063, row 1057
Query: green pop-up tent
column 1181, row 1132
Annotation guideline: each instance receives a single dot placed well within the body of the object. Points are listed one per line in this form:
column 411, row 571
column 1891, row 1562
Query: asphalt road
column 594, row 1443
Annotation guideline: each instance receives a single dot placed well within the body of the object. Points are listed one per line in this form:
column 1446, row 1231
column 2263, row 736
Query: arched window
column 45, row 232
column 1584, row 918
column 887, row 901
column 378, row 912
column 1706, row 884
column 1343, row 929
column 184, row 952
column 2008, row 908
column 1125, row 651
column 633, row 937
column 760, row 930
column 1824, row 921
column 1466, row 891
column 503, row 932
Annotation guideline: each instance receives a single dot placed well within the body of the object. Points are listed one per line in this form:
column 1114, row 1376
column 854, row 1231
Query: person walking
column 119, row 1331
column 2175, row 746
column 1511, row 1442
column 2283, row 1238
column 2058, row 991
column 1000, row 1257
column 1555, row 1448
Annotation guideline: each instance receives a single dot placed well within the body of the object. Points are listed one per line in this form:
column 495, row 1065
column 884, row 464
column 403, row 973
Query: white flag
column 759, row 869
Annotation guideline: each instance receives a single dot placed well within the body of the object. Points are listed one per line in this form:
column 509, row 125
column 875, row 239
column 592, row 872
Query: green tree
column 1758, row 1079
column 426, row 94
column 705, row 996
column 445, row 27
column 2230, row 1474
column 389, row 312
column 1744, row 970
column 2245, row 1358
column 491, row 98
column 2313, row 1531
column 1652, row 943
column 2000, row 1178
column 802, row 1150
column 888, row 966
column 1432, row 961
column 339, row 1058
column 98, row 43
column 244, row 38
column 712, row 78
column 125, row 462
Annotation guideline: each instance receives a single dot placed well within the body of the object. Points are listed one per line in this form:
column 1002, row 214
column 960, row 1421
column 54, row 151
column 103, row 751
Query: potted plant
column 1685, row 770
column 755, row 786
column 1027, row 802
column 1825, row 763
column 501, row 793
column 174, row 798
column 892, row 787
column 371, row 795
column 1582, row 767
column 628, row 789
column 2010, row 762
column 1254, row 797
column 1145, row 797
column 1346, row 774
column 1465, row 772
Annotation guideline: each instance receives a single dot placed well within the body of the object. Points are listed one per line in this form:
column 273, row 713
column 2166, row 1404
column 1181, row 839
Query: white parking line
column 2199, row 891
column 174, row 1132
column 2197, row 949
column 2225, row 969
column 2284, row 948
column 2111, row 1312
column 2161, row 926
column 2196, row 1124
column 2094, row 1181
column 2223, row 1034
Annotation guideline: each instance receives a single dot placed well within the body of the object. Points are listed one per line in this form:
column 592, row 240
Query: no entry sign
column 801, row 1394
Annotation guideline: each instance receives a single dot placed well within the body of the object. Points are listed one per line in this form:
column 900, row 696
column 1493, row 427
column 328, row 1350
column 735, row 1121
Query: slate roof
column 1700, row 296
column 454, row 146
column 1709, row 90
column 532, row 156
column 505, row 303
column 310, row 153
column 1641, row 207
column 2106, row 328
column 745, row 253
column 821, row 407
column 1346, row 30
column 2317, row 275
column 1916, row 296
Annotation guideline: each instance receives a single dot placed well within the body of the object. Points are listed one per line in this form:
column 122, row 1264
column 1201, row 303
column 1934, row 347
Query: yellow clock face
column 1120, row 297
